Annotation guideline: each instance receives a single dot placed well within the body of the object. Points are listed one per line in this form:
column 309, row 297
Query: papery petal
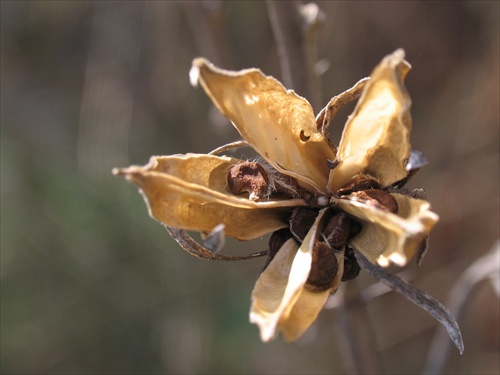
column 388, row 237
column 376, row 138
column 190, row 192
column 276, row 122
column 279, row 300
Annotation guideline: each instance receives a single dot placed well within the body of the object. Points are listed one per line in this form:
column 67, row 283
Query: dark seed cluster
column 339, row 228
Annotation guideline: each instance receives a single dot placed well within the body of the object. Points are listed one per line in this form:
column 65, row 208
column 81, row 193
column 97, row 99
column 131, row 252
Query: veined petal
column 376, row 138
column 279, row 300
column 276, row 122
column 190, row 192
column 388, row 237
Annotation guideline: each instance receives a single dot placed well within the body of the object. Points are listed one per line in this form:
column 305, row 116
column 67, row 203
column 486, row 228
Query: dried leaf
column 387, row 237
column 276, row 122
column 190, row 192
column 279, row 300
column 418, row 297
column 376, row 140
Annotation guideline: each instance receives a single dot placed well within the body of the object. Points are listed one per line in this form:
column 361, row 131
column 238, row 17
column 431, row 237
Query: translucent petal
column 388, row 237
column 276, row 122
column 190, row 192
column 376, row 138
column 279, row 300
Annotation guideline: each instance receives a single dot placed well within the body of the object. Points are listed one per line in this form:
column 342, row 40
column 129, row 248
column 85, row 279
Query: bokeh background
column 91, row 285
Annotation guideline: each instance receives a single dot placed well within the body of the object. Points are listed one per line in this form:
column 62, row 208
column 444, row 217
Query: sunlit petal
column 387, row 237
column 190, row 192
column 276, row 122
column 280, row 287
column 376, row 138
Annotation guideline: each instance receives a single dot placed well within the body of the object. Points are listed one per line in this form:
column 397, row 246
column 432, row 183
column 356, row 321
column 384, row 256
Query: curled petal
column 190, row 192
column 276, row 122
column 376, row 138
column 388, row 237
column 279, row 300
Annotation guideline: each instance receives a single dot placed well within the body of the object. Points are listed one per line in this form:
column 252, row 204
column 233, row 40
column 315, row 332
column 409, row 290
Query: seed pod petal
column 190, row 192
column 376, row 138
column 276, row 122
column 388, row 237
column 279, row 299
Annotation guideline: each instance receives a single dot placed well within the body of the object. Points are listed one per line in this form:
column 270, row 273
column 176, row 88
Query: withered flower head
column 330, row 209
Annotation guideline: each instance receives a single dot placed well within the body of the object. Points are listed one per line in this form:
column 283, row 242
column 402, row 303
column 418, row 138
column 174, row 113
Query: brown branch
column 295, row 28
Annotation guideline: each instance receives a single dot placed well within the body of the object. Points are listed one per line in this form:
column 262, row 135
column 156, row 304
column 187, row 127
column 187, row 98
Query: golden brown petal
column 376, row 138
column 276, row 122
column 279, row 300
column 190, row 192
column 388, row 237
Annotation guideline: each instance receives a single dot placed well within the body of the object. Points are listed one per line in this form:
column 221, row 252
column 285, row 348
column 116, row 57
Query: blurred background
column 91, row 285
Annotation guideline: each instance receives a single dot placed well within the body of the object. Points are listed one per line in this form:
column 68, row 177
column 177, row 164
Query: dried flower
column 329, row 208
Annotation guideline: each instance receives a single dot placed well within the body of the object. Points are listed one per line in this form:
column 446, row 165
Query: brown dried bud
column 301, row 221
column 377, row 198
column 323, row 269
column 248, row 177
column 351, row 266
column 337, row 230
column 360, row 182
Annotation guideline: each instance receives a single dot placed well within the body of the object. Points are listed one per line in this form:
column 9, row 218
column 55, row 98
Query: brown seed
column 360, row 182
column 377, row 198
column 277, row 239
column 337, row 230
column 301, row 221
column 323, row 269
column 355, row 228
column 248, row 177
column 351, row 266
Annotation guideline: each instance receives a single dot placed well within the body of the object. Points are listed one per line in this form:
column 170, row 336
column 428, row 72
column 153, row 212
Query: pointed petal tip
column 196, row 65
column 128, row 173
column 399, row 53
column 267, row 328
column 117, row 171
column 194, row 75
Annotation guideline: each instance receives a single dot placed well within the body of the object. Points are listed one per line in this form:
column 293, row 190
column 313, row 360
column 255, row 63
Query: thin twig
column 228, row 147
column 485, row 267
column 195, row 249
column 295, row 27
column 286, row 23
column 356, row 338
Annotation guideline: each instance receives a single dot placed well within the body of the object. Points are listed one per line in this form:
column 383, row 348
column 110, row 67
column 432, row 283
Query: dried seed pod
column 301, row 221
column 323, row 269
column 351, row 266
column 337, row 230
column 360, row 182
column 378, row 198
column 249, row 177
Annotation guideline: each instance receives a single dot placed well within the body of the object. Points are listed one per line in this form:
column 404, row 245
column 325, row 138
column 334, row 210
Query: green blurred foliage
column 90, row 284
